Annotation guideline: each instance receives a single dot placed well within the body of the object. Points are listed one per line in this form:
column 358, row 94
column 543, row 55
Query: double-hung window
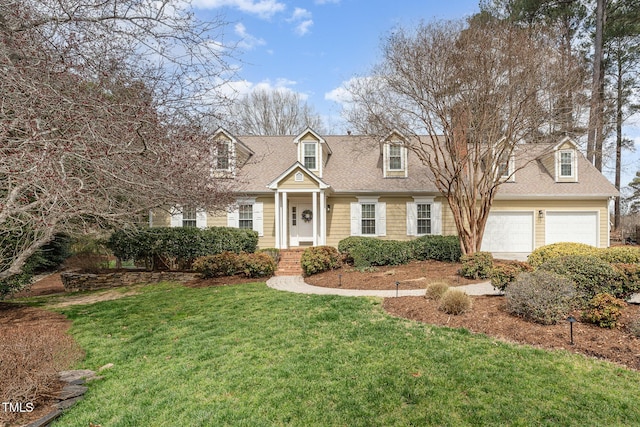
column 395, row 157
column 245, row 216
column 310, row 149
column 423, row 218
column 189, row 216
column 368, row 218
column 566, row 164
column 222, row 155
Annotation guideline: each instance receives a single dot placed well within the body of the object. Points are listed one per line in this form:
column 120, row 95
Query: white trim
column 278, row 214
column 386, row 160
column 321, row 184
column 314, row 209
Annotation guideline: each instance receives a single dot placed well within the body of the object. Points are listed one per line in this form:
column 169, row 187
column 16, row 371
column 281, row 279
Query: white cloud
column 302, row 18
column 263, row 8
column 304, row 27
column 247, row 41
column 300, row 13
column 239, row 88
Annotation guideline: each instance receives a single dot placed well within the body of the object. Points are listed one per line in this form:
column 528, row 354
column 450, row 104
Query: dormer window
column 222, row 155
column 566, row 164
column 310, row 155
column 505, row 167
column 395, row 160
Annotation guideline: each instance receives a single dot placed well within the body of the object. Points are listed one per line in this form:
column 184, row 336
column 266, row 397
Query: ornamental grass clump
column 435, row 290
column 454, row 301
column 541, row 296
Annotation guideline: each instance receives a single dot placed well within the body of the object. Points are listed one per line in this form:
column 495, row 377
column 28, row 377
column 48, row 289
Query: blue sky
column 312, row 47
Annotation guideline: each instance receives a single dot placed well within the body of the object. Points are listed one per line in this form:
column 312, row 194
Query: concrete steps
column 289, row 264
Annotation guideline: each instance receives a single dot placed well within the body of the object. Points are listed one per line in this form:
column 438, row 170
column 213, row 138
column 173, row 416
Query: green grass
column 251, row 356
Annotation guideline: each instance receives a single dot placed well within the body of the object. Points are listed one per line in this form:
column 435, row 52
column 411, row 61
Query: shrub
column 256, row 265
column 604, row 310
column 454, row 301
column 477, row 266
column 620, row 254
column 541, row 296
column 591, row 274
column 318, row 259
column 435, row 290
column 628, row 279
column 506, row 272
column 224, row 264
column 558, row 250
column 440, row 248
column 178, row 247
column 364, row 252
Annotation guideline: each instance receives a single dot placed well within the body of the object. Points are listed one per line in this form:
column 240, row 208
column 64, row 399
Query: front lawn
column 249, row 355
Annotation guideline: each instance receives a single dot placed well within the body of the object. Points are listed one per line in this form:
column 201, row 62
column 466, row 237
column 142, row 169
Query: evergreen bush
column 477, row 266
column 318, row 259
column 591, row 275
column 604, row 310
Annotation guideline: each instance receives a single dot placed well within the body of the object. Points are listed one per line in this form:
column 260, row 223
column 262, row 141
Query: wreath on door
column 307, row 215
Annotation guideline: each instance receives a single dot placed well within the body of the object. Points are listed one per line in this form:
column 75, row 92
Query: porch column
column 285, row 222
column 323, row 218
column 314, row 204
column 278, row 218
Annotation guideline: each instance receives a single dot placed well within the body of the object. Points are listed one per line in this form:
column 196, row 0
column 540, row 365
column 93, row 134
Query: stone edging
column 74, row 281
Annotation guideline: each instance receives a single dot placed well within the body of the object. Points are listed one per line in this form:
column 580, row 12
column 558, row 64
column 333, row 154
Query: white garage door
column 580, row 227
column 508, row 232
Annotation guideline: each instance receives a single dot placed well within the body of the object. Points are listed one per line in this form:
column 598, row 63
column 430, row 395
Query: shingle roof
column 355, row 166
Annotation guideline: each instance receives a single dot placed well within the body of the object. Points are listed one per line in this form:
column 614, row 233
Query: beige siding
column 396, row 174
column 289, row 182
column 160, row 218
column 549, row 163
column 339, row 219
column 268, row 239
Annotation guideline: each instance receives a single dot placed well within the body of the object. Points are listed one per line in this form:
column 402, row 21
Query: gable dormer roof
column 314, row 135
column 233, row 139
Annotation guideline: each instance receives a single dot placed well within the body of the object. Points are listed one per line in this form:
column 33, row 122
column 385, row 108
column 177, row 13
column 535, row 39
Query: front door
column 300, row 224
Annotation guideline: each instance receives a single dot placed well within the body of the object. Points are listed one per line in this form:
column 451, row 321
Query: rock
column 107, row 366
column 70, row 391
column 71, row 376
column 65, row 404
column 46, row 420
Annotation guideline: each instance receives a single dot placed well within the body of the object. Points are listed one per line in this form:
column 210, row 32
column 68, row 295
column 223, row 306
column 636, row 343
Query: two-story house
column 317, row 190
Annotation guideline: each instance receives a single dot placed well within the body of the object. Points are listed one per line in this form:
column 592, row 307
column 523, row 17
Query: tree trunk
column 595, row 107
column 619, row 101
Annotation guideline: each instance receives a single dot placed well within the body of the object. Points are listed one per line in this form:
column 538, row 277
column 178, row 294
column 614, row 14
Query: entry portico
column 300, row 208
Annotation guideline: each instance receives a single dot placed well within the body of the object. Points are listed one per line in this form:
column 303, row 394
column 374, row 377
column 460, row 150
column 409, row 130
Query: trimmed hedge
column 365, row 252
column 317, row 259
column 177, row 247
column 439, row 248
column 230, row 264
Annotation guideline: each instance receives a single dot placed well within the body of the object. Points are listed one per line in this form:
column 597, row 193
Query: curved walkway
column 296, row 284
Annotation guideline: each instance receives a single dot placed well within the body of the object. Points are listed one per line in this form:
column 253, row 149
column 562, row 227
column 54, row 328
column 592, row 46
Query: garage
column 580, row 227
column 508, row 232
